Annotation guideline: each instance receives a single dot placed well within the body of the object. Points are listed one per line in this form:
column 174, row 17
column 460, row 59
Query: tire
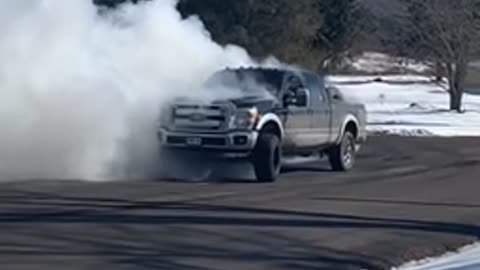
column 267, row 158
column 342, row 156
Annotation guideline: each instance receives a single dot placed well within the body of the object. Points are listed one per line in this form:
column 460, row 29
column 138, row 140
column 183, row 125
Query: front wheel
column 342, row 156
column 267, row 158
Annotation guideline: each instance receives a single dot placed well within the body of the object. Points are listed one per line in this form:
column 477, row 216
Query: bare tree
column 446, row 33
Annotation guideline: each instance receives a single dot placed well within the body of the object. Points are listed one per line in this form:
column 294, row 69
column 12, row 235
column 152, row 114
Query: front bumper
column 235, row 142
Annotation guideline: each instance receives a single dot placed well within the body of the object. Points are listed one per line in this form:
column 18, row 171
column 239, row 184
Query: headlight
column 245, row 119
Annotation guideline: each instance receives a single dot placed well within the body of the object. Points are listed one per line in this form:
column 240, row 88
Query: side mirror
column 303, row 97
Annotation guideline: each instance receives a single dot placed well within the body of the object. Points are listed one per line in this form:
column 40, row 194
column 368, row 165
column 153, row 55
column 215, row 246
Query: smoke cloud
column 81, row 90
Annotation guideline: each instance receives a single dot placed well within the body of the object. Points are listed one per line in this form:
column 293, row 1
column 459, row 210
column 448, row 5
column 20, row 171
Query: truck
column 276, row 113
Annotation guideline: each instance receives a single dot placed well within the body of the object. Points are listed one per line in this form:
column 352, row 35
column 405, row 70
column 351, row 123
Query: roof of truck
column 272, row 70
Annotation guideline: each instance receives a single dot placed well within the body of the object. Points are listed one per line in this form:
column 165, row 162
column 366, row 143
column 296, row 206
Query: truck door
column 298, row 120
column 321, row 110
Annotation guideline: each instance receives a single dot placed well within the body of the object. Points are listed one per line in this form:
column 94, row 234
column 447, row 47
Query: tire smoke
column 81, row 90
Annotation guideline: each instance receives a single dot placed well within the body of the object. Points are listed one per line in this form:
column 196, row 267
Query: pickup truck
column 285, row 112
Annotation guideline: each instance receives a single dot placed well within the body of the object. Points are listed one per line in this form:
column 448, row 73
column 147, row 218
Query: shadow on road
column 247, row 175
column 179, row 235
column 305, row 168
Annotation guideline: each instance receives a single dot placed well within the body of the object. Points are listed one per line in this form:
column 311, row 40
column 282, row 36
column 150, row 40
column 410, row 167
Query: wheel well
column 272, row 128
column 352, row 127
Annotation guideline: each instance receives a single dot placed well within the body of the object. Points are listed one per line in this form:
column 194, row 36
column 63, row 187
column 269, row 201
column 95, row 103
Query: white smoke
column 80, row 92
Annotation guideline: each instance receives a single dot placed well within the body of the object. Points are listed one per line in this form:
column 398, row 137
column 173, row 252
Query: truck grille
column 200, row 118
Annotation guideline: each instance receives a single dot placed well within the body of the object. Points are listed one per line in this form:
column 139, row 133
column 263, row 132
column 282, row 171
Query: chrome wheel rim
column 348, row 153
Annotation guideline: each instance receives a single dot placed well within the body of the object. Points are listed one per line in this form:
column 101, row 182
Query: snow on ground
column 466, row 259
column 410, row 105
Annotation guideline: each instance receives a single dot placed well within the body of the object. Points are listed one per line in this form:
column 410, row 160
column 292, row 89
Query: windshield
column 248, row 81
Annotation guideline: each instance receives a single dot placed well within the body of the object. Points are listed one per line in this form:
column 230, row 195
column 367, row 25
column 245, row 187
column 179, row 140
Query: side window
column 293, row 84
column 295, row 94
column 315, row 84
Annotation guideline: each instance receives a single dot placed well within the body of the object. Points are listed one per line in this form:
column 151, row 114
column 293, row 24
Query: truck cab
column 274, row 113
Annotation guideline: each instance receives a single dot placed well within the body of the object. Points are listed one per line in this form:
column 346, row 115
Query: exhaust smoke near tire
column 80, row 90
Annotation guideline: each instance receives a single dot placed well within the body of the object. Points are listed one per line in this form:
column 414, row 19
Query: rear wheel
column 267, row 158
column 342, row 156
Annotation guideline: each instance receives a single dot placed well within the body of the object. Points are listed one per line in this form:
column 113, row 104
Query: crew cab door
column 298, row 118
column 321, row 110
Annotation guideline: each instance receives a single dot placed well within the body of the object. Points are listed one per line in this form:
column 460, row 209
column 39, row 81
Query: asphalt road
column 407, row 199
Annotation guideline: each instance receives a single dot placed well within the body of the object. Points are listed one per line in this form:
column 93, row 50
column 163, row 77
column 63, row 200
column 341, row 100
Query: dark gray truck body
column 300, row 113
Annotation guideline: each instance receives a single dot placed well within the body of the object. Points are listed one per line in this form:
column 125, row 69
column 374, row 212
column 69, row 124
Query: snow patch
column 410, row 105
column 467, row 258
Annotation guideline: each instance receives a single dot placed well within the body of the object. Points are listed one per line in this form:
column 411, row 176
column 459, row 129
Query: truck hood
column 262, row 102
column 251, row 101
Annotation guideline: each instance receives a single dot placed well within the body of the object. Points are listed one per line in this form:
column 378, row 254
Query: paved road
column 407, row 199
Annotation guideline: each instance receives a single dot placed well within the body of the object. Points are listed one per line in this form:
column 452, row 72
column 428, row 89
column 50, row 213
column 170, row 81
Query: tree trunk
column 456, row 101
column 456, row 76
